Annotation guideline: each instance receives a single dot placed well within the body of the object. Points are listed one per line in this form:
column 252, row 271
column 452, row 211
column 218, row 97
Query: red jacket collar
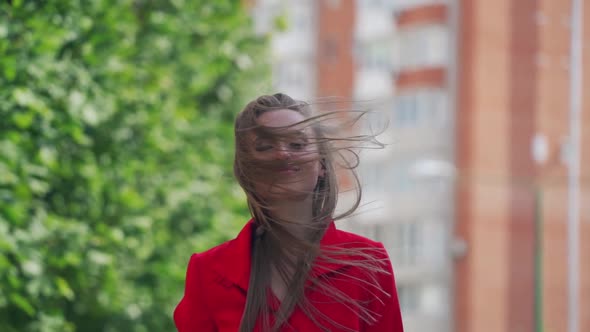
column 234, row 263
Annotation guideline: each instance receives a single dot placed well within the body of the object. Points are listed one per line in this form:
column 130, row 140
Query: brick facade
column 513, row 83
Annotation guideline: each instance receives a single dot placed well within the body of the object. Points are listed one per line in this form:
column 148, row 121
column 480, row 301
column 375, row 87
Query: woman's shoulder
column 234, row 248
column 231, row 252
column 204, row 260
column 213, row 253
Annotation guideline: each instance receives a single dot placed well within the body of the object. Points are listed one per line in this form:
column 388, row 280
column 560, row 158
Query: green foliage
column 281, row 22
column 115, row 155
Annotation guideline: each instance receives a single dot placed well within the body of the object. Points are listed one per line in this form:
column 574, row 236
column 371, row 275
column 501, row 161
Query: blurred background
column 116, row 149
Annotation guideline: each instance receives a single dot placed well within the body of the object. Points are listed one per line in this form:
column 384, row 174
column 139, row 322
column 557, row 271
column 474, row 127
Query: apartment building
column 475, row 227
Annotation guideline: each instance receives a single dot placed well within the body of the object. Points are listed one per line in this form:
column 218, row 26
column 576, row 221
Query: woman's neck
column 296, row 215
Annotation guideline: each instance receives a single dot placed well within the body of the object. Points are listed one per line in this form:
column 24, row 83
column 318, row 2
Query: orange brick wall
column 334, row 59
column 585, row 197
column 553, row 91
column 514, row 82
column 335, row 66
column 426, row 77
column 483, row 159
column 424, row 14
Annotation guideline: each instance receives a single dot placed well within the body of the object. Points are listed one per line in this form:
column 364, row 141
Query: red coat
column 217, row 283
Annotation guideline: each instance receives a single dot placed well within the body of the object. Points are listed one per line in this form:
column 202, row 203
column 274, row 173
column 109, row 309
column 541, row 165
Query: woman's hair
column 274, row 247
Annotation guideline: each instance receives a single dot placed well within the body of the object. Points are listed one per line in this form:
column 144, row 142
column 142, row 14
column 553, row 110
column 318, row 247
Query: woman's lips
column 288, row 170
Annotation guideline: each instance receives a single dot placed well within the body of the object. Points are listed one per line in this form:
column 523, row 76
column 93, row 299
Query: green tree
column 115, row 154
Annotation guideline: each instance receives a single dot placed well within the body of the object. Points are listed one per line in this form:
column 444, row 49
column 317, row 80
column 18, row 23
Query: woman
column 289, row 269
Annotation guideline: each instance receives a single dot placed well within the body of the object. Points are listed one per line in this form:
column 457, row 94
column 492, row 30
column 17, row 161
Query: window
column 403, row 182
column 434, row 299
column 404, row 240
column 300, row 19
column 378, row 4
column 434, row 232
column 375, row 177
column 293, row 76
column 290, row 73
column 422, row 47
column 423, row 298
column 401, row 179
column 405, row 111
column 374, row 55
column 409, row 298
column 415, row 242
column 426, row 108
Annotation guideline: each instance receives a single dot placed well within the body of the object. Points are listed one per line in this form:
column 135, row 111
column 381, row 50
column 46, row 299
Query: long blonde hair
column 273, row 245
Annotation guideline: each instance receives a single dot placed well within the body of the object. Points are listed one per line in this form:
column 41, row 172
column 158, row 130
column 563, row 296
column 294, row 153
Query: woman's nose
column 282, row 152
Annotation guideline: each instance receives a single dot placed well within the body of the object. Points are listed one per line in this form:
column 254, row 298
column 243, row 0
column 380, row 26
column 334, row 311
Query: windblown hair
column 274, row 247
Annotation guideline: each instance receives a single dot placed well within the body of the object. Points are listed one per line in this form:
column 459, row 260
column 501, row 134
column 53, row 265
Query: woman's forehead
column 280, row 118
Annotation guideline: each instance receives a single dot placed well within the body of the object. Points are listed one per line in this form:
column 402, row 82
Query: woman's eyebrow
column 297, row 134
column 260, row 139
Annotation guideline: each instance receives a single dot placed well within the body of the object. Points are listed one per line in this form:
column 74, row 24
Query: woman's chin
column 284, row 194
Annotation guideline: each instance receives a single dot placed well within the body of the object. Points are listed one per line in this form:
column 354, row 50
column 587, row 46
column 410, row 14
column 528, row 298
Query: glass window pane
column 423, row 108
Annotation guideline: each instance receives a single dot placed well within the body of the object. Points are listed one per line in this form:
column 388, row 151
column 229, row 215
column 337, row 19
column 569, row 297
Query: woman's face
column 291, row 157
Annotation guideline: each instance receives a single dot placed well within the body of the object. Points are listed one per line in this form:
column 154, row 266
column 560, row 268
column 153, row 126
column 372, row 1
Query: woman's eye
column 297, row 145
column 261, row 148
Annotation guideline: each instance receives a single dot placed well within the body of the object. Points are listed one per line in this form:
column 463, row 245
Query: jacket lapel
column 330, row 241
column 234, row 262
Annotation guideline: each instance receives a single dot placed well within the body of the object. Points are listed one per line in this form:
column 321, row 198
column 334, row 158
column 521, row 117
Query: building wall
column 335, row 63
column 553, row 92
column 483, row 160
column 292, row 50
column 514, row 83
column 585, row 197
column 422, row 127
